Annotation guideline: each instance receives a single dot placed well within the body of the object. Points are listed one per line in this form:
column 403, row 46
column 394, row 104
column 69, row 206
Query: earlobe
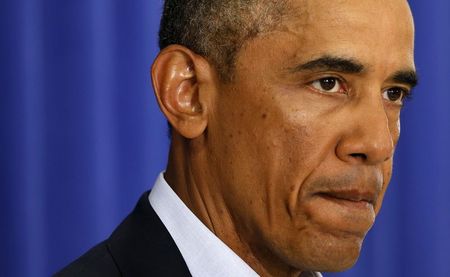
column 175, row 76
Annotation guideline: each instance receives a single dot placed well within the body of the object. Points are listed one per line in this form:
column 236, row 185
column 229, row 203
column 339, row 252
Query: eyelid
column 342, row 82
column 408, row 92
column 406, row 95
column 324, row 74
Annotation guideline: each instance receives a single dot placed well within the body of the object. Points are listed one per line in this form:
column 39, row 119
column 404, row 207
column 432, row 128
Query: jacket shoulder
column 140, row 246
column 95, row 262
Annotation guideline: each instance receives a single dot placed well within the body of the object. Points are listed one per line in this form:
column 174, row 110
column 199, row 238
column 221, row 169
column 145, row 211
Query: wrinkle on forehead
column 316, row 24
column 338, row 12
column 314, row 28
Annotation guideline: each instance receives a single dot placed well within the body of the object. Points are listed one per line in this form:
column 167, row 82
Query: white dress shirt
column 204, row 253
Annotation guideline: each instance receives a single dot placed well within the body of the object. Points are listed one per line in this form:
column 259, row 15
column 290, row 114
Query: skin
column 288, row 174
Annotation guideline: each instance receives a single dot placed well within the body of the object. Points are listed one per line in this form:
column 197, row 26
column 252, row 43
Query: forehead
column 373, row 15
column 371, row 31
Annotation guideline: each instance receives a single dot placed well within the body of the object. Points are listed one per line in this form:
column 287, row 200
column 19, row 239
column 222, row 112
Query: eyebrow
column 348, row 65
column 406, row 77
column 331, row 63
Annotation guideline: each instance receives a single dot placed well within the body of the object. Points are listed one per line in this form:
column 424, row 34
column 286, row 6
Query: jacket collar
column 142, row 246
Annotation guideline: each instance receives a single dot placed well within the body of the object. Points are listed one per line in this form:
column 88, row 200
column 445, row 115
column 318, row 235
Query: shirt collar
column 204, row 253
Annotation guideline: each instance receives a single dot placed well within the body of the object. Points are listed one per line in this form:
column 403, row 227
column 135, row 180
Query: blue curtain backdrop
column 81, row 137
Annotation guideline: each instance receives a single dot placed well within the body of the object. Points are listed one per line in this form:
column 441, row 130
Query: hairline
column 221, row 43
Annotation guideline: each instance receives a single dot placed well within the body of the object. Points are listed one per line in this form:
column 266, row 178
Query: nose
column 368, row 139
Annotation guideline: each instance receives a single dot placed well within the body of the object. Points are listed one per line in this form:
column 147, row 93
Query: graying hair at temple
column 217, row 29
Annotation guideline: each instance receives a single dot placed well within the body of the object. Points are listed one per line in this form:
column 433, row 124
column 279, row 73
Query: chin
column 337, row 254
column 338, row 261
column 326, row 253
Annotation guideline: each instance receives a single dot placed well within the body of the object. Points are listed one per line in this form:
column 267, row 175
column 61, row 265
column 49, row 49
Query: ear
column 179, row 80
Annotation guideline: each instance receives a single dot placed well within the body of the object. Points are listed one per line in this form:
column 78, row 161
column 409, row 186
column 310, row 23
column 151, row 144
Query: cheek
column 395, row 130
column 387, row 174
column 265, row 151
column 394, row 125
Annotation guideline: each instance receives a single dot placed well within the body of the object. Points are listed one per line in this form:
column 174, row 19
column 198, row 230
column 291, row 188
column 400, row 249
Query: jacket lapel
column 142, row 246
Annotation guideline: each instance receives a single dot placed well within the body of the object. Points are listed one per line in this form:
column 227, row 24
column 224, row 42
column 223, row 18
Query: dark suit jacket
column 140, row 246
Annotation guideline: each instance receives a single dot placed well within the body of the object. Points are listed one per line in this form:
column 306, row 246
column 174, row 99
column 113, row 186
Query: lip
column 350, row 211
column 349, row 203
column 350, row 197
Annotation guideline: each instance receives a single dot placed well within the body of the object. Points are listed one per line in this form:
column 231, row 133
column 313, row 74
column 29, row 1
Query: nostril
column 359, row 156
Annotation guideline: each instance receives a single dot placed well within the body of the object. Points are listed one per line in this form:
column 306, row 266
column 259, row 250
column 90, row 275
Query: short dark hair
column 217, row 29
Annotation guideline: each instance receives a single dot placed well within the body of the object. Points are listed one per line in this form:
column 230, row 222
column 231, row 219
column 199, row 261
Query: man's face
column 301, row 141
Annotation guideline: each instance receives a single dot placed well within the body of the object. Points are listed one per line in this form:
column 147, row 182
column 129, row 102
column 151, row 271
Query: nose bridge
column 370, row 139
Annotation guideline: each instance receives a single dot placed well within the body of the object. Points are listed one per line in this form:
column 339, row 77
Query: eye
column 328, row 85
column 395, row 95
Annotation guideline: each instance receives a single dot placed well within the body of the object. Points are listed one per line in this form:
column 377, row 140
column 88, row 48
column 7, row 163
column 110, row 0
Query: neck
column 190, row 176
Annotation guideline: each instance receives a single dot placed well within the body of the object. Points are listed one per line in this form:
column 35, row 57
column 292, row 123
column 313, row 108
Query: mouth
column 351, row 211
column 355, row 198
